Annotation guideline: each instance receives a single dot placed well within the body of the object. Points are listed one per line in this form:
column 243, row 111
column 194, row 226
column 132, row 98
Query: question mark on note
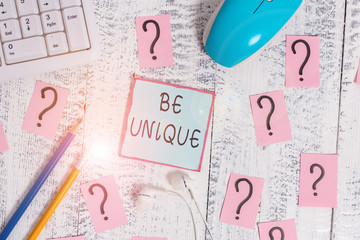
column 280, row 230
column 308, row 52
column 271, row 110
column 156, row 37
column 248, row 196
column 319, row 178
column 104, row 198
column 52, row 104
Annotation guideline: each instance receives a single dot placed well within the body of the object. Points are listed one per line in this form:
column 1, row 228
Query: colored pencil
column 54, row 203
column 39, row 182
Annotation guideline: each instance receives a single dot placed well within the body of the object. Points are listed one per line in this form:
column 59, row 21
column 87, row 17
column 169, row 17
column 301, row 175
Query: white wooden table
column 323, row 120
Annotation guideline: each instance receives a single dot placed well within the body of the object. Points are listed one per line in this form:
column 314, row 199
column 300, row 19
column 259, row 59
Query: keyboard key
column 56, row 43
column 70, row 3
column 31, row 50
column 7, row 9
column 49, row 5
column 27, row 7
column 24, row 50
column 52, row 22
column 31, row 26
column 76, row 30
column 10, row 30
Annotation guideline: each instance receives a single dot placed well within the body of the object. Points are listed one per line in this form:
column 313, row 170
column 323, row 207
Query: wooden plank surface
column 323, row 120
column 313, row 114
column 346, row 216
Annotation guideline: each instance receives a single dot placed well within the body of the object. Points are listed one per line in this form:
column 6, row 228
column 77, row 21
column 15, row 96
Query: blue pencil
column 39, row 182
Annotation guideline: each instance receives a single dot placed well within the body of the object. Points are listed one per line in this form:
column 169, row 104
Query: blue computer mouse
column 239, row 28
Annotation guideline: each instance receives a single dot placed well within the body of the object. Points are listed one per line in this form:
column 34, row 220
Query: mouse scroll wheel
column 261, row 4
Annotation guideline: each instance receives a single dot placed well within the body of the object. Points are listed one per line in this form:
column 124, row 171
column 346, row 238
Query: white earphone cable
column 193, row 197
column 192, row 194
column 191, row 212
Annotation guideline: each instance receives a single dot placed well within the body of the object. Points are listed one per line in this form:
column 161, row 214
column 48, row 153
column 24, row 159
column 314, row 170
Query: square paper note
column 46, row 107
column 357, row 77
column 285, row 230
column 271, row 119
column 3, row 143
column 242, row 200
column 147, row 238
column 318, row 180
column 104, row 203
column 154, row 41
column 166, row 124
column 302, row 61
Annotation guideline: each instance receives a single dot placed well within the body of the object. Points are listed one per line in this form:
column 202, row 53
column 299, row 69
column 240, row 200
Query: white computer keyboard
column 45, row 35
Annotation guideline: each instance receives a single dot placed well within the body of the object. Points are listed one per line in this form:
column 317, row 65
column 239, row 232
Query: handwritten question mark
column 52, row 104
column 248, row 196
column 319, row 178
column 104, row 199
column 307, row 54
column 279, row 229
column 156, row 37
column 271, row 111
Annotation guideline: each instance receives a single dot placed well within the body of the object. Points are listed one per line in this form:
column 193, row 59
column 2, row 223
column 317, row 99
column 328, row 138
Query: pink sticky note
column 3, row 143
column 154, row 41
column 285, row 230
column 147, row 238
column 302, row 61
column 271, row 120
column 70, row 238
column 318, row 180
column 242, row 200
column 357, row 78
column 104, row 203
column 46, row 106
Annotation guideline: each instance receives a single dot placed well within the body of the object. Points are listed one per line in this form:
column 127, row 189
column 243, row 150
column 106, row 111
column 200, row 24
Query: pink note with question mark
column 148, row 238
column 45, row 109
column 104, row 203
column 154, row 41
column 285, row 229
column 318, row 180
column 357, row 77
column 271, row 120
column 242, row 200
column 302, row 61
column 70, row 238
column 3, row 143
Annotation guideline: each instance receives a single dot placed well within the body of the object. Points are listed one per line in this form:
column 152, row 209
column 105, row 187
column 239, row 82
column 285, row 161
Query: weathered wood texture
column 313, row 114
column 323, row 120
column 346, row 216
